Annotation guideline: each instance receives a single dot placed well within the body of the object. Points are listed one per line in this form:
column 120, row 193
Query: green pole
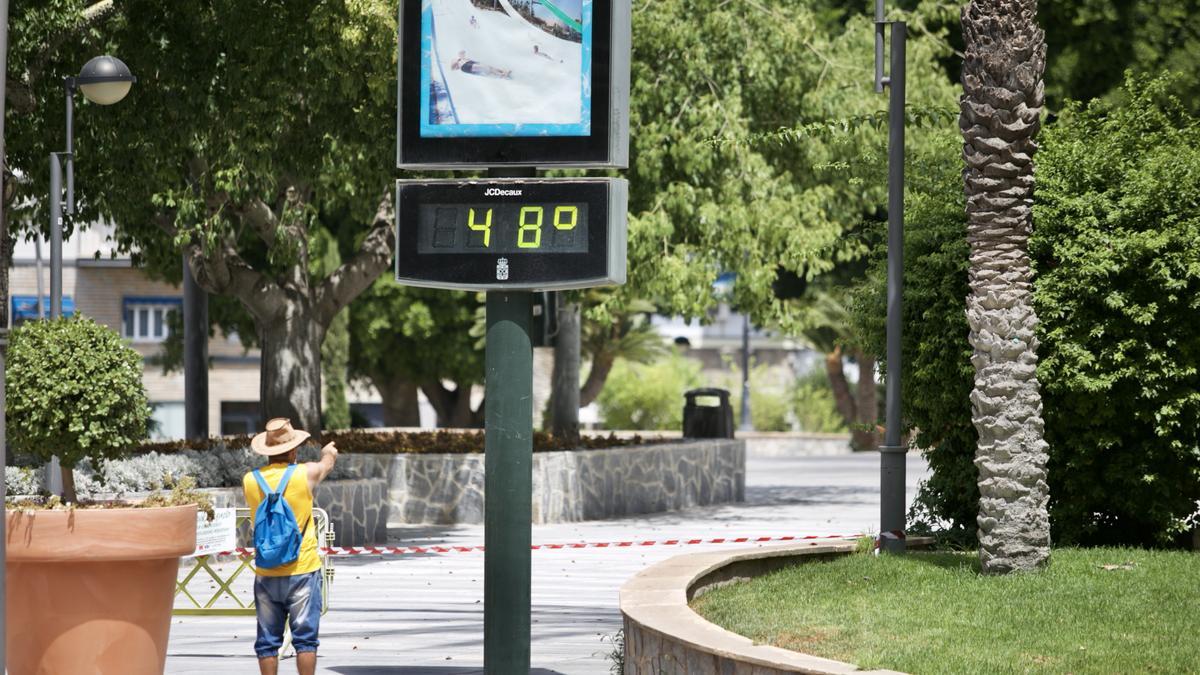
column 508, row 483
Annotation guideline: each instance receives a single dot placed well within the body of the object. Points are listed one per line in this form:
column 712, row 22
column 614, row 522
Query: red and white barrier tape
column 417, row 550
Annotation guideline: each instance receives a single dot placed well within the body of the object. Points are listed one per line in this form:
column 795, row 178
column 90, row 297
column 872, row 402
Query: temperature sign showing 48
column 511, row 234
column 502, row 228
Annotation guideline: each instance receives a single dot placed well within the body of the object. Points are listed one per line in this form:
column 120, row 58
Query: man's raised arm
column 319, row 470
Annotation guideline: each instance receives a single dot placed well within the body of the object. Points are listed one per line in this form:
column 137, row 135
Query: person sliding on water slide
column 539, row 52
column 476, row 68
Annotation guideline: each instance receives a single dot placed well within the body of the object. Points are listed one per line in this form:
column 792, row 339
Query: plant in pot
column 91, row 585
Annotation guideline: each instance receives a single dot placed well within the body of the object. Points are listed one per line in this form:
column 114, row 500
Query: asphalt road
column 424, row 614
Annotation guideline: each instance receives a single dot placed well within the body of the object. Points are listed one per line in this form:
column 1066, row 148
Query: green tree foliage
column 1117, row 249
column 335, row 348
column 938, row 376
column 74, row 391
column 404, row 338
column 815, row 409
column 230, row 143
column 648, row 396
column 711, row 77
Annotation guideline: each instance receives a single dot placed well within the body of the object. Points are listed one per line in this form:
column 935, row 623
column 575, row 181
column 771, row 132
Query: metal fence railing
column 212, row 585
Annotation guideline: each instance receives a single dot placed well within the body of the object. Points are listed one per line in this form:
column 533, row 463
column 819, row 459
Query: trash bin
column 707, row 421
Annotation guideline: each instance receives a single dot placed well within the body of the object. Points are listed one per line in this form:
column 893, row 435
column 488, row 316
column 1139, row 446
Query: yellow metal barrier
column 226, row 601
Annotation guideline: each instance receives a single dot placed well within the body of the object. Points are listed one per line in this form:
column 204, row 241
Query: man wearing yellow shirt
column 292, row 592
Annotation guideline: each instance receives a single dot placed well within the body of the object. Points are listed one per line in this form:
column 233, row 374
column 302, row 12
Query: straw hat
column 279, row 438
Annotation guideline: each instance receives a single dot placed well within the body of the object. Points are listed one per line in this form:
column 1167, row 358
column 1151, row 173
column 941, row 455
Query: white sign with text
column 217, row 535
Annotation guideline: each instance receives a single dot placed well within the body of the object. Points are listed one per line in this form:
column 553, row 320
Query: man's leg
column 304, row 613
column 270, row 613
column 306, row 663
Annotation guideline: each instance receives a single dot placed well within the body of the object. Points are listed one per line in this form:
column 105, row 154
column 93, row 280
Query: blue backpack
column 277, row 536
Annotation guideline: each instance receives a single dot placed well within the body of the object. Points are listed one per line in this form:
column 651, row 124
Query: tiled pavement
column 424, row 614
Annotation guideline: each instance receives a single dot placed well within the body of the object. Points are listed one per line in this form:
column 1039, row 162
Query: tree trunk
column 1001, row 107
column 290, row 384
column 453, row 407
column 68, row 485
column 564, row 383
column 400, row 402
column 864, row 436
column 602, row 365
column 841, row 388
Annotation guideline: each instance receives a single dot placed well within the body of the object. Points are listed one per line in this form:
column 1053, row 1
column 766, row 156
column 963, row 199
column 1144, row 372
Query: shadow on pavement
column 423, row 670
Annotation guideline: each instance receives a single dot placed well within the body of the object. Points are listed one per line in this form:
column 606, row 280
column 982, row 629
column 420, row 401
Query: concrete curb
column 664, row 635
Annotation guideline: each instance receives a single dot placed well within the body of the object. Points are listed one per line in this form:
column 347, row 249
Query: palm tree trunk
column 1001, row 104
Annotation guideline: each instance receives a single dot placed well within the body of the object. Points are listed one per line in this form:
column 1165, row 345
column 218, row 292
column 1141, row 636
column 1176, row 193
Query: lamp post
column 104, row 80
column 892, row 452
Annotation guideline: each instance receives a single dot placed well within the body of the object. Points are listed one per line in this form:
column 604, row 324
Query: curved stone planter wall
column 664, row 636
column 567, row 486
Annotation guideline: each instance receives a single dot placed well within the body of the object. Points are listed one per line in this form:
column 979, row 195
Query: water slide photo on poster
column 505, row 68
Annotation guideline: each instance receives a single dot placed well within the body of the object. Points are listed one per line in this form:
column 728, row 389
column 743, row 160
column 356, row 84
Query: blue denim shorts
column 296, row 600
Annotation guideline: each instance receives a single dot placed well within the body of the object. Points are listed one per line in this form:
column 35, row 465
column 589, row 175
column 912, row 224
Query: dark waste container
column 707, row 421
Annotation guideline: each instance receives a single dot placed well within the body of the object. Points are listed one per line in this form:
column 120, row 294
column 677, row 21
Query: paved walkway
column 421, row 615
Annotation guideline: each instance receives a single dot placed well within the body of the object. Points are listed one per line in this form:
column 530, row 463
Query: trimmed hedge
column 221, row 462
column 408, row 442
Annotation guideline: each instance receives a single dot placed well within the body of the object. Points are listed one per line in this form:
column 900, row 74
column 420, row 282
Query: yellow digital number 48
column 485, row 227
column 572, row 211
column 535, row 227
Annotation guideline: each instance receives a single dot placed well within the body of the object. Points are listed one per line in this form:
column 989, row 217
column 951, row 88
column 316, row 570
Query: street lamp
column 104, row 80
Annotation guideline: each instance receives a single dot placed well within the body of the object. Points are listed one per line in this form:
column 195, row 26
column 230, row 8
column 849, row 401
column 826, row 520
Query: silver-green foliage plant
column 74, row 391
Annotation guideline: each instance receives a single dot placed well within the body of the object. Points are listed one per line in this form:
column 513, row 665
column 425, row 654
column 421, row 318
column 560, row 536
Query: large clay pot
column 90, row 591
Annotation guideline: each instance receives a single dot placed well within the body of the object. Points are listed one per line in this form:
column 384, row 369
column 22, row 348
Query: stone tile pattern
column 567, row 486
column 358, row 509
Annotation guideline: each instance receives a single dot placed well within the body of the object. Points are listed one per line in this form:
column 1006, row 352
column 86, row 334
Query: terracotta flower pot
column 90, row 591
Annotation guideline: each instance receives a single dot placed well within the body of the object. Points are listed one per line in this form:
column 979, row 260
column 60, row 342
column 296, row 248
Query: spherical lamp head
column 105, row 80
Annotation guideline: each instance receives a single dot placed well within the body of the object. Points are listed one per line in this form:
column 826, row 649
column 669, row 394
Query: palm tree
column 1001, row 106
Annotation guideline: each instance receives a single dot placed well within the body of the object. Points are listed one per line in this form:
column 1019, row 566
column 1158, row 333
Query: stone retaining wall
column 358, row 509
column 371, row 490
column 567, row 486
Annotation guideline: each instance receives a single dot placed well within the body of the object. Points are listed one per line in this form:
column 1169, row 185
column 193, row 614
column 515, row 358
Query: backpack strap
column 287, row 476
column 262, row 484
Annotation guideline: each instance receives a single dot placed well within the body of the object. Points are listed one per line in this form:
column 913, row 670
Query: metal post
column 880, row 80
column 892, row 452
column 55, row 237
column 69, row 86
column 37, row 269
column 508, row 475
column 508, row 483
column 3, row 337
column 747, row 422
column 195, row 355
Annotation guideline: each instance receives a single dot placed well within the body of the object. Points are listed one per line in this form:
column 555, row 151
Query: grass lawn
column 934, row 612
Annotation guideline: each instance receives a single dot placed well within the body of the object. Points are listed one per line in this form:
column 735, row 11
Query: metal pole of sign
column 508, row 477
column 3, row 341
column 892, row 453
column 195, row 356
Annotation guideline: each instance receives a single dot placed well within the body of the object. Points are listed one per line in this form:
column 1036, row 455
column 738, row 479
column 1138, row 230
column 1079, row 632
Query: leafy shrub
column 814, row 406
column 1117, row 252
column 770, row 403
column 75, row 391
column 648, row 396
column 938, row 376
column 1115, row 245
